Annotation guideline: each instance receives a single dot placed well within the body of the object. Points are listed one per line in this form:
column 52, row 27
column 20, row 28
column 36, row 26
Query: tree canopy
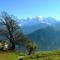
column 12, row 32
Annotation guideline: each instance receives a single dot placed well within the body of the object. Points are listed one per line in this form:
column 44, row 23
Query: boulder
column 20, row 57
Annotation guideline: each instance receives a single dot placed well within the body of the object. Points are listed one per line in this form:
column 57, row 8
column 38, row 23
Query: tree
column 12, row 32
column 31, row 47
column 9, row 28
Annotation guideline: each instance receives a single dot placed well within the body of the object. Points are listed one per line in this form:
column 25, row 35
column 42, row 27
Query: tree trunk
column 12, row 46
column 11, row 38
column 30, row 51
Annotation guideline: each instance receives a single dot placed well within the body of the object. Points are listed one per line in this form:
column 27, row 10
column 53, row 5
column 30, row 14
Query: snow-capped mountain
column 40, row 19
column 45, row 31
column 30, row 25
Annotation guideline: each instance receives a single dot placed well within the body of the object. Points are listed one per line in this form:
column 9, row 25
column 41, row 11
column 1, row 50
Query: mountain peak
column 40, row 18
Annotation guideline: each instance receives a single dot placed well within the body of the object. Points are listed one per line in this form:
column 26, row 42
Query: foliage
column 1, row 46
column 12, row 32
column 10, row 29
column 31, row 47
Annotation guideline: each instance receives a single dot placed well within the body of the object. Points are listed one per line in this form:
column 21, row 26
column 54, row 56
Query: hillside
column 47, row 38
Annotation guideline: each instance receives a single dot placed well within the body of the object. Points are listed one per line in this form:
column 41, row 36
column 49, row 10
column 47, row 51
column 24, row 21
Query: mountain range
column 45, row 31
column 30, row 25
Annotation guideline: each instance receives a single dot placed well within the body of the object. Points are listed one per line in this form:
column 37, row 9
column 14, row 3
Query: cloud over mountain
column 31, row 24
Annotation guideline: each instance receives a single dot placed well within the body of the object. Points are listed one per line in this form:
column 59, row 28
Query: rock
column 20, row 57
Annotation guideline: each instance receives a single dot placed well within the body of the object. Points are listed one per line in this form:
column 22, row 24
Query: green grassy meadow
column 47, row 55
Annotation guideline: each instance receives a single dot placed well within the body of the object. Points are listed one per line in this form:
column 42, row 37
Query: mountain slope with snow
column 30, row 25
column 44, row 31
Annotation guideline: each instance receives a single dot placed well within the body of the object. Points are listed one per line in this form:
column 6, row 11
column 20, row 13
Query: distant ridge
column 30, row 25
column 44, row 31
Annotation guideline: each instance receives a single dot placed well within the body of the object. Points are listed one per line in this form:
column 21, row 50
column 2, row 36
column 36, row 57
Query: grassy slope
column 8, row 56
column 49, row 55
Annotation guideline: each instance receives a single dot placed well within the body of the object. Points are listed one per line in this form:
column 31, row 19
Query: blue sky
column 31, row 8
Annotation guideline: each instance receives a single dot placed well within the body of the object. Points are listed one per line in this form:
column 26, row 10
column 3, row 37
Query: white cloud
column 46, row 23
column 20, row 24
column 40, row 17
column 30, row 17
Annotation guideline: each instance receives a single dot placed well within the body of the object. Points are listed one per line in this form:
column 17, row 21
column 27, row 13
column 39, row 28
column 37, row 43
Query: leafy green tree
column 31, row 47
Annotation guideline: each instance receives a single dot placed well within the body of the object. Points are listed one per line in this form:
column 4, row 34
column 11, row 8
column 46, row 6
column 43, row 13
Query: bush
column 1, row 46
column 31, row 47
